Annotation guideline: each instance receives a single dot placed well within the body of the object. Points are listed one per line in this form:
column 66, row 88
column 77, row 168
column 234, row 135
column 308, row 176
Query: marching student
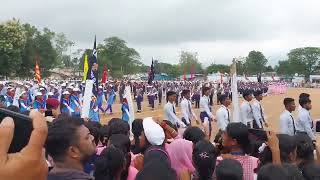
column 246, row 109
column 125, row 110
column 205, row 111
column 38, row 103
column 258, row 111
column 94, row 110
column 186, row 108
column 151, row 96
column 65, row 104
column 304, row 122
column 111, row 99
column 100, row 98
column 139, row 98
column 23, row 102
column 170, row 110
column 75, row 102
column 223, row 115
column 9, row 97
column 287, row 122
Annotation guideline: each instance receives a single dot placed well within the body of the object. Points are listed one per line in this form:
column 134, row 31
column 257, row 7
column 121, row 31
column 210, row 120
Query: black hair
column 170, row 93
column 271, row 172
column 293, row 171
column 123, row 143
column 204, row 89
column 184, row 92
column 94, row 131
column 104, row 132
column 62, row 134
column 194, row 134
column 304, row 95
column 305, row 150
column 246, row 93
column 229, row 169
column 311, row 172
column 204, row 158
column 239, row 132
column 118, row 126
column 222, row 98
column 13, row 108
column 257, row 93
column 156, row 171
column 137, row 128
column 287, row 101
column 304, row 101
column 287, row 145
column 156, row 153
column 109, row 164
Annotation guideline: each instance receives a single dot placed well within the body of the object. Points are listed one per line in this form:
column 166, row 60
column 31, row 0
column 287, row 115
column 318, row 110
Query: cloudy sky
column 217, row 29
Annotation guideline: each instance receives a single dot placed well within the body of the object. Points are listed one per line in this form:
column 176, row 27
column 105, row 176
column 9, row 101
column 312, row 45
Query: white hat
column 42, row 89
column 76, row 89
column 66, row 93
column 38, row 93
column 50, row 94
column 100, row 87
column 22, row 93
column 153, row 131
column 70, row 87
column 63, row 84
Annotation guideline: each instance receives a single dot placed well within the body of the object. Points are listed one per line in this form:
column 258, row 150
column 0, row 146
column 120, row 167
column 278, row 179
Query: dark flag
column 151, row 74
column 93, row 68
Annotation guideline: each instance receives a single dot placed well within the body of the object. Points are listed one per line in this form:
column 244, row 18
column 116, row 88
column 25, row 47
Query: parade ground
column 272, row 104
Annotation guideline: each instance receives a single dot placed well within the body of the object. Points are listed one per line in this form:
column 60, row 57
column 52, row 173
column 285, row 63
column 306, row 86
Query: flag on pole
column 234, row 89
column 85, row 67
column 221, row 78
column 93, row 68
column 105, row 75
column 151, row 73
column 184, row 76
column 37, row 71
column 272, row 76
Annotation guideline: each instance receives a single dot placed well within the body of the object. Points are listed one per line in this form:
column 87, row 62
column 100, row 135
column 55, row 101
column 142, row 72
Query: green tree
column 62, row 45
column 255, row 62
column 189, row 62
column 12, row 42
column 213, row 68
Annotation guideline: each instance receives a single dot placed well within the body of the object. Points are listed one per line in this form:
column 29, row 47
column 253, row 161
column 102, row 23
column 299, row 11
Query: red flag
column 37, row 71
column 272, row 76
column 184, row 76
column 105, row 75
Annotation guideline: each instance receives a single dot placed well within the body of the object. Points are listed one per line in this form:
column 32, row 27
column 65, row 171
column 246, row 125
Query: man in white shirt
column 287, row 123
column 186, row 108
column 304, row 122
column 170, row 110
column 258, row 111
column 246, row 109
column 205, row 112
column 302, row 95
column 223, row 116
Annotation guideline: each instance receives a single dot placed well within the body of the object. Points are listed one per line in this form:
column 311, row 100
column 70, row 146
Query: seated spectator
column 71, row 145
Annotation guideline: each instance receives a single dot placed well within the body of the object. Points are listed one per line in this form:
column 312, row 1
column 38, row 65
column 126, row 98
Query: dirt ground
column 272, row 104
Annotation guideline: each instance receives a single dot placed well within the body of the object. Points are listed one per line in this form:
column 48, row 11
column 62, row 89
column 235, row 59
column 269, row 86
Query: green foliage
column 12, row 41
column 255, row 62
column 214, row 68
column 189, row 62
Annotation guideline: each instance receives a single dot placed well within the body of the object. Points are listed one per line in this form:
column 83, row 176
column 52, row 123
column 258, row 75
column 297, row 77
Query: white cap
column 100, row 87
column 38, row 93
column 63, row 84
column 22, row 93
column 66, row 93
column 153, row 131
column 76, row 89
column 42, row 89
column 70, row 87
column 50, row 94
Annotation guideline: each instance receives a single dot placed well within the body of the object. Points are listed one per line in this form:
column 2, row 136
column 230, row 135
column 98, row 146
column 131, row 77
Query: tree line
column 22, row 43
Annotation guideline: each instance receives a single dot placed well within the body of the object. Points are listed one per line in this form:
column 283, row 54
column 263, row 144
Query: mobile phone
column 48, row 113
column 22, row 129
column 258, row 135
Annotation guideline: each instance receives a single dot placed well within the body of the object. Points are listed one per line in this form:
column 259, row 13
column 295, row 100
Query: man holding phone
column 29, row 163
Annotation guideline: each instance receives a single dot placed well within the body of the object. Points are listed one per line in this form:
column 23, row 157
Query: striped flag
column 85, row 67
column 37, row 71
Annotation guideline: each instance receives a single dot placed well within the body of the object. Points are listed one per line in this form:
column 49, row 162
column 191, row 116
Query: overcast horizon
column 217, row 30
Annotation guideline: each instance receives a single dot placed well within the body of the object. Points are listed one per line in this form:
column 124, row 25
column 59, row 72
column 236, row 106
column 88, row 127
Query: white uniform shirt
column 305, row 123
column 257, row 109
column 223, row 117
column 287, row 123
column 187, row 111
column 204, row 106
column 170, row 115
column 246, row 112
